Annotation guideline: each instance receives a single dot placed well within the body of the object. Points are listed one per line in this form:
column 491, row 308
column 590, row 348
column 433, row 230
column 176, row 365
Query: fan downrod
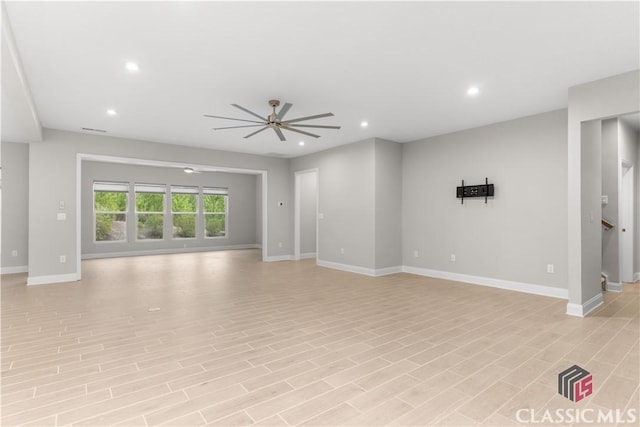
column 273, row 117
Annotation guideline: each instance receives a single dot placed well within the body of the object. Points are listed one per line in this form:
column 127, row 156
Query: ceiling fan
column 275, row 121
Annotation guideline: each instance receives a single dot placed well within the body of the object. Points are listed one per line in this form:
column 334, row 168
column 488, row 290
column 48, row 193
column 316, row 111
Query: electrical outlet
column 14, row 252
column 550, row 268
column 416, row 254
column 342, row 251
column 63, row 259
column 452, row 257
column 279, row 244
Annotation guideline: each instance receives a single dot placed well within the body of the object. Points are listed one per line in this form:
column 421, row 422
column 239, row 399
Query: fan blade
column 236, row 127
column 259, row 130
column 231, row 118
column 300, row 131
column 315, row 126
column 284, row 110
column 279, row 133
column 250, row 112
column 317, row 116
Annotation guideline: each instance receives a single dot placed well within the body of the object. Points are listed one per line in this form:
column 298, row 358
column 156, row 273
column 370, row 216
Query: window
column 110, row 211
column 150, row 211
column 184, row 209
column 215, row 211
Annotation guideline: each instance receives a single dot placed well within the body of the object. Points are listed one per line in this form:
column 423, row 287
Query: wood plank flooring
column 239, row 342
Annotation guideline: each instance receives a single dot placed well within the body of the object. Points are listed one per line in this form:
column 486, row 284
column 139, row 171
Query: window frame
column 192, row 190
column 215, row 191
column 150, row 189
column 116, row 187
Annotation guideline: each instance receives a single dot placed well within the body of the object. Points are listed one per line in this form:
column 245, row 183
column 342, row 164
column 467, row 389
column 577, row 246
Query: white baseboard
column 54, row 278
column 574, row 309
column 529, row 288
column 614, row 287
column 374, row 272
column 169, row 251
column 388, row 270
column 14, row 270
column 308, row 255
column 278, row 258
column 581, row 310
column 346, row 267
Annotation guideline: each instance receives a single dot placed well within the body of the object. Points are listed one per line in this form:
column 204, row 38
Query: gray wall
column 388, row 203
column 591, row 181
column 610, row 173
column 603, row 98
column 346, row 199
column 241, row 220
column 360, row 200
column 518, row 232
column 53, row 178
column 308, row 212
column 15, row 207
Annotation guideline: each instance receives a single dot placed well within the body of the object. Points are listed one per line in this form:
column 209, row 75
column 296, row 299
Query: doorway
column 306, row 214
column 626, row 221
column 262, row 235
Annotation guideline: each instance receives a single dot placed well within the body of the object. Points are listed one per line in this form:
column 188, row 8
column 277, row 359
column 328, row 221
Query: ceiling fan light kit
column 275, row 121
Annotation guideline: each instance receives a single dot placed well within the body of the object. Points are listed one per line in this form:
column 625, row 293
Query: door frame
column 297, row 235
column 626, row 220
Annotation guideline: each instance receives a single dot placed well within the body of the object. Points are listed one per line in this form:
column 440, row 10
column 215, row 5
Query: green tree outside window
column 110, row 208
column 150, row 208
column 184, row 208
column 215, row 218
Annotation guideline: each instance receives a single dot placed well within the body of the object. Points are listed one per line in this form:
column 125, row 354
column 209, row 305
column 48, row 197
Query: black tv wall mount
column 482, row 190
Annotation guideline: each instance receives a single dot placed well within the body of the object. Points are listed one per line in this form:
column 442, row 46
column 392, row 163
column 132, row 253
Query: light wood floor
column 238, row 342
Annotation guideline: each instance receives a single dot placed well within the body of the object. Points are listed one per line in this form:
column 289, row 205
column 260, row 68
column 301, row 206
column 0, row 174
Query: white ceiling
column 404, row 67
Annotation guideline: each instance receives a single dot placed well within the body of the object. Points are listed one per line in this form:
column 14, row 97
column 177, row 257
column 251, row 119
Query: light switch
column 62, row 216
column 61, row 205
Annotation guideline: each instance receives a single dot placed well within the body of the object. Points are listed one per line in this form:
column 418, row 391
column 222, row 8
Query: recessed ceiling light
column 188, row 170
column 364, row 124
column 473, row 91
column 301, row 143
column 132, row 66
column 111, row 112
